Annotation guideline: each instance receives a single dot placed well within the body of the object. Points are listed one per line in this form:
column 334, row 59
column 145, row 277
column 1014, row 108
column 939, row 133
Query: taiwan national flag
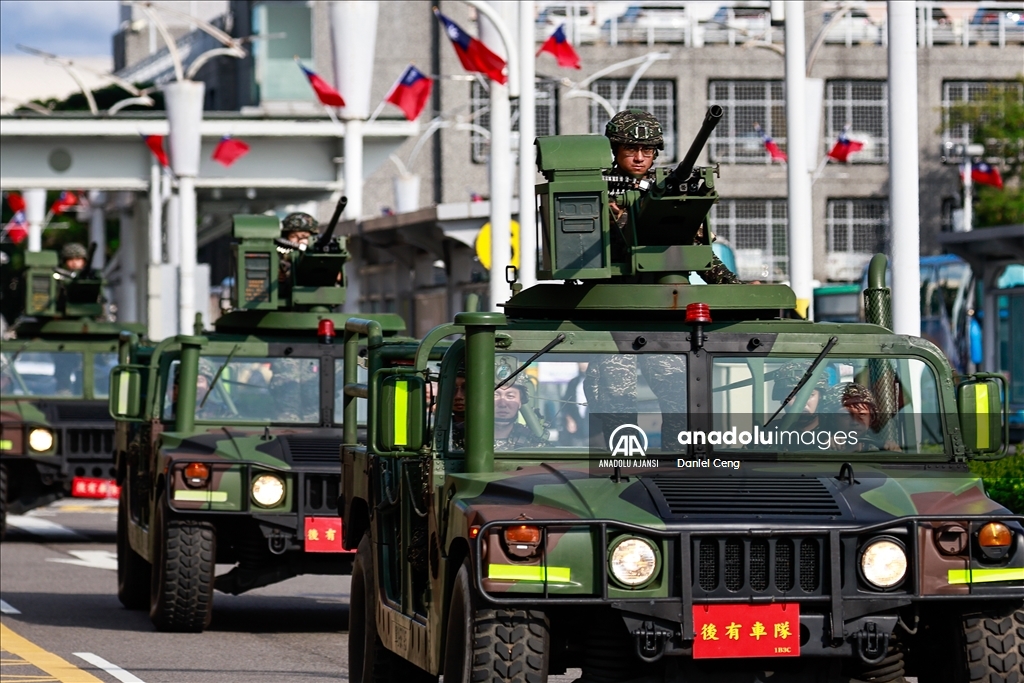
column 411, row 92
column 64, row 202
column 229, row 150
column 156, row 146
column 16, row 229
column 324, row 92
column 557, row 45
column 769, row 144
column 474, row 55
column 844, row 147
column 15, row 201
column 986, row 174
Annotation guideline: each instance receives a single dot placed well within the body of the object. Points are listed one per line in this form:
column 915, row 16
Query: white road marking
column 43, row 527
column 5, row 608
column 112, row 669
column 98, row 559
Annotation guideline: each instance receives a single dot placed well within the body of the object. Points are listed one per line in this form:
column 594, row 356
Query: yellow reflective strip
column 122, row 393
column 957, row 576
column 514, row 572
column 60, row 669
column 201, row 496
column 401, row 413
column 981, row 413
column 6, row 444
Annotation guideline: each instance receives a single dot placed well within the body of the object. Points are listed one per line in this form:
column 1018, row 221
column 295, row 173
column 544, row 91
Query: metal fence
column 756, row 231
column 855, row 230
column 955, row 130
column 747, row 105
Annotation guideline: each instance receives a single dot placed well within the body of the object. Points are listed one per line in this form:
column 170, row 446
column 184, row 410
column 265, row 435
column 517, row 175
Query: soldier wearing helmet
column 636, row 138
column 73, row 257
column 297, row 228
column 787, row 377
column 509, row 433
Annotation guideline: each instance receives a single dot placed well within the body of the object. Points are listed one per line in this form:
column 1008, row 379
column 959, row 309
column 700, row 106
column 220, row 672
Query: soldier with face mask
column 636, row 138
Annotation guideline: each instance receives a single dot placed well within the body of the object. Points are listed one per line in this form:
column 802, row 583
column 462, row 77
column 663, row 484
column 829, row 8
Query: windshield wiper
column 550, row 345
column 220, row 371
column 832, row 341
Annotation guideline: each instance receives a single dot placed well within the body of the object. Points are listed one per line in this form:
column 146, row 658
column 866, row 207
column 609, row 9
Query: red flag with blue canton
column 16, row 229
column 229, row 150
column 986, row 174
column 844, row 147
column 769, row 144
column 156, row 146
column 411, row 92
column 474, row 55
column 324, row 92
column 64, row 202
column 557, row 45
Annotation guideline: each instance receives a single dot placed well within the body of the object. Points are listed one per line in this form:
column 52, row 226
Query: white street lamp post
column 527, row 133
column 903, row 170
column 798, row 203
column 35, row 214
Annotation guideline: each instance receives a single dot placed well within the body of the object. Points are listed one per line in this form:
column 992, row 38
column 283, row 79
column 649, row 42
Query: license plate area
column 322, row 535
column 731, row 631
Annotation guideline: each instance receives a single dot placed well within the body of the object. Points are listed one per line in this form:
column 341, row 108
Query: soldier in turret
column 297, row 228
column 73, row 257
column 636, row 139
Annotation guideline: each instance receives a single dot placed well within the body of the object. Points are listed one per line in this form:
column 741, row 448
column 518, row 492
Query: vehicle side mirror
column 402, row 415
column 982, row 414
column 125, row 401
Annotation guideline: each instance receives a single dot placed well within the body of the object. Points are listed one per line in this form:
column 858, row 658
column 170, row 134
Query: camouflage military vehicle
column 650, row 480
column 228, row 441
column 56, row 436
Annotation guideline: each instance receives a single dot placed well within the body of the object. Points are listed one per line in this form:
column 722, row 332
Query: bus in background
column 1010, row 359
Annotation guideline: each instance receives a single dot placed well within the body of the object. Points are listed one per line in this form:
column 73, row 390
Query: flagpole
column 821, row 169
column 968, row 195
column 377, row 111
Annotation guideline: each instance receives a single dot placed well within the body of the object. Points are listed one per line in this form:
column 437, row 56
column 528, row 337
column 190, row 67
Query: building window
column 545, row 108
column 747, row 105
column 856, row 229
column 657, row 96
column 755, row 229
column 288, row 28
column 954, row 130
column 862, row 107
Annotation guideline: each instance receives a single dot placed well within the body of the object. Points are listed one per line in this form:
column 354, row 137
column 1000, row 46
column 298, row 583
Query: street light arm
column 204, row 26
column 506, row 38
column 654, row 56
column 651, row 59
column 144, row 100
column 202, row 59
column 819, row 40
column 172, row 48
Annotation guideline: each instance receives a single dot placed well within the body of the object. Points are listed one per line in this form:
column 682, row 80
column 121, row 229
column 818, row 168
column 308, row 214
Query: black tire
column 181, row 585
column 991, row 646
column 3, row 501
column 493, row 645
column 133, row 571
column 368, row 660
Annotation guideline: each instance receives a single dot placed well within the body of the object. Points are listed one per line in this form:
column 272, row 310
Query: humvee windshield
column 102, row 364
column 568, row 401
column 42, row 373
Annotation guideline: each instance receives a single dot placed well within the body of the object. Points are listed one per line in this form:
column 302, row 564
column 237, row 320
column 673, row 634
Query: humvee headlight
column 995, row 539
column 633, row 561
column 883, row 563
column 40, row 439
column 268, row 490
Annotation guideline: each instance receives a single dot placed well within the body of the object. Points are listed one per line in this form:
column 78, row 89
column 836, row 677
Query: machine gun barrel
column 89, row 258
column 324, row 240
column 685, row 167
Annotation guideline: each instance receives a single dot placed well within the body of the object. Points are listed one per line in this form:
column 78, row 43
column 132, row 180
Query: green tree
column 996, row 120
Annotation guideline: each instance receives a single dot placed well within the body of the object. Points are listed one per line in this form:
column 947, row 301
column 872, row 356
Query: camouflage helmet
column 73, row 250
column 505, row 366
column 207, row 368
column 844, row 395
column 299, row 222
column 635, row 127
column 787, row 376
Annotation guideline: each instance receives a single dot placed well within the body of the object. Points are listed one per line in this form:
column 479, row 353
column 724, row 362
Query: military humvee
column 56, row 436
column 651, row 480
column 228, row 441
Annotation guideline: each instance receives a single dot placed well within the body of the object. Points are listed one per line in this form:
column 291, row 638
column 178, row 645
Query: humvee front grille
column 740, row 565
column 702, row 496
column 314, row 450
column 77, row 411
column 83, row 443
column 320, row 493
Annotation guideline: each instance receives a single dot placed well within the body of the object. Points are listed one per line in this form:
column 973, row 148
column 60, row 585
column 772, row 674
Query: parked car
column 856, row 26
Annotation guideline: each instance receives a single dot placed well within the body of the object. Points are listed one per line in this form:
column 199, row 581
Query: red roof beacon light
column 698, row 314
column 325, row 331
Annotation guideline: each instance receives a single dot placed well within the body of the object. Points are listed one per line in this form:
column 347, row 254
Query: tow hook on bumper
column 650, row 641
column 871, row 644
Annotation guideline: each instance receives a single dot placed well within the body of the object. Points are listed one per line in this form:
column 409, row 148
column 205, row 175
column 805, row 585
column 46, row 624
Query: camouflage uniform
column 520, row 437
column 292, row 223
column 637, row 127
